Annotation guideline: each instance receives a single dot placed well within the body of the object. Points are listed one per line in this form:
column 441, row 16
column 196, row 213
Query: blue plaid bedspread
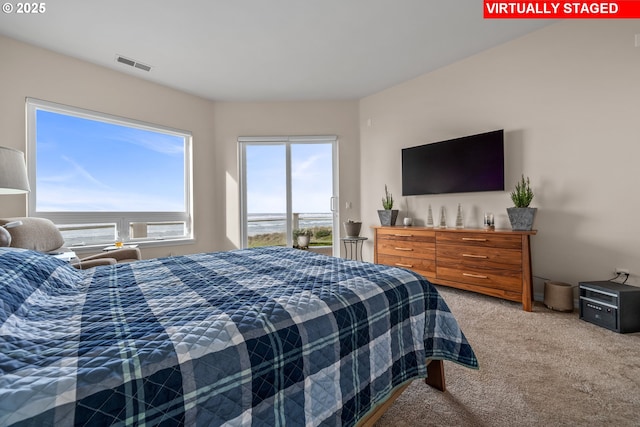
column 262, row 337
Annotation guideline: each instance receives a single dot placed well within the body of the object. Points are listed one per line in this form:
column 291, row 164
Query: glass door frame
column 288, row 141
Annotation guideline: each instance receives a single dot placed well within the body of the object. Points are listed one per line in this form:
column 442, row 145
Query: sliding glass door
column 288, row 184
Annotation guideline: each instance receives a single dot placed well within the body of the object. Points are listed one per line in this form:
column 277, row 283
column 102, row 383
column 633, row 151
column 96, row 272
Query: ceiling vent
column 130, row 62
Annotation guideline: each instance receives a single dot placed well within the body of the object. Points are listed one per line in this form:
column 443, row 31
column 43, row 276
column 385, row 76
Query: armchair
column 41, row 234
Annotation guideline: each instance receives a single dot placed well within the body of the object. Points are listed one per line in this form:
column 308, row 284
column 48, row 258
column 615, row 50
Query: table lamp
column 13, row 180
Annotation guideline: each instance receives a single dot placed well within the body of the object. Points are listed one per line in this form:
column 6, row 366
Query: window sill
column 141, row 244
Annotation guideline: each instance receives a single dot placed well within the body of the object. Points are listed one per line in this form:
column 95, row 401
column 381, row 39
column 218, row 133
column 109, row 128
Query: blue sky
column 87, row 165
column 311, row 178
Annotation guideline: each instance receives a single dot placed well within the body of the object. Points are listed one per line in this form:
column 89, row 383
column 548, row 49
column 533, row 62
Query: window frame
column 287, row 142
column 121, row 219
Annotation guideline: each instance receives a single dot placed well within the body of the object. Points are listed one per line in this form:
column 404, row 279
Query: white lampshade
column 13, row 172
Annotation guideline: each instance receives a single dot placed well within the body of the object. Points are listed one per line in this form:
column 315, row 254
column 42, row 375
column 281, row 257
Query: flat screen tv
column 461, row 165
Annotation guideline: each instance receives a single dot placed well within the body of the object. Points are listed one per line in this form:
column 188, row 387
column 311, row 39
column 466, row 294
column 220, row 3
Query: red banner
column 624, row 9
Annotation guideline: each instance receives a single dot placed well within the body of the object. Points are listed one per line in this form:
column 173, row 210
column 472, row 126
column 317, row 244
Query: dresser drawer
column 422, row 266
column 480, row 239
column 506, row 280
column 406, row 233
column 479, row 257
column 404, row 248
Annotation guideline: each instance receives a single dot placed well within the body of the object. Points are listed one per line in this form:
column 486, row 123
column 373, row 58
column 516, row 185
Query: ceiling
column 264, row 50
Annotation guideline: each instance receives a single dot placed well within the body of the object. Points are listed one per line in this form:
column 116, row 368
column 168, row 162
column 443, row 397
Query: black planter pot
column 388, row 217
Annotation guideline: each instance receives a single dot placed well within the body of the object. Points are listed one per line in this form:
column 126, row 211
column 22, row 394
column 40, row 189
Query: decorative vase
column 521, row 218
column 352, row 228
column 489, row 223
column 429, row 218
column 443, row 218
column 459, row 220
column 388, row 217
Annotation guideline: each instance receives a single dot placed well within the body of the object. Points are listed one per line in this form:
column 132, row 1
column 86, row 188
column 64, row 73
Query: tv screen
column 462, row 165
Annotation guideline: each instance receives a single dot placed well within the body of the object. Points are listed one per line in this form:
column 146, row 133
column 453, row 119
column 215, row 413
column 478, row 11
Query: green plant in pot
column 521, row 215
column 302, row 236
column 389, row 215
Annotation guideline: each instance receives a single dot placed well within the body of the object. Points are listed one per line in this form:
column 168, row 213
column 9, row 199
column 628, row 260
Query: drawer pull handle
column 404, row 265
column 475, row 256
column 477, row 276
column 403, row 235
column 404, row 249
column 473, row 239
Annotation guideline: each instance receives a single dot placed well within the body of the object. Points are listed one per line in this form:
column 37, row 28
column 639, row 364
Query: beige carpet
column 543, row 368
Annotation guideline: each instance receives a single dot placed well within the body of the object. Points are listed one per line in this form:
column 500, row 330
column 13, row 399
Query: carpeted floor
column 543, row 368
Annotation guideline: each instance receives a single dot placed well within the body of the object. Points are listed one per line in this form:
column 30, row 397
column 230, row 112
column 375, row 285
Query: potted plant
column 389, row 215
column 521, row 215
column 302, row 236
column 352, row 228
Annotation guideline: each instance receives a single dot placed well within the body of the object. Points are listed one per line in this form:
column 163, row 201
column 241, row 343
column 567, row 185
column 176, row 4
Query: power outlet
column 622, row 271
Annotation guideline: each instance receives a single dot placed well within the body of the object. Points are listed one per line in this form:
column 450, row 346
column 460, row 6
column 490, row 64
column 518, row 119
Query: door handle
column 332, row 203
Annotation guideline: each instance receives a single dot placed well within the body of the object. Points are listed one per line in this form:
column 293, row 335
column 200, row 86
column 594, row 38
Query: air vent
column 142, row 66
column 130, row 62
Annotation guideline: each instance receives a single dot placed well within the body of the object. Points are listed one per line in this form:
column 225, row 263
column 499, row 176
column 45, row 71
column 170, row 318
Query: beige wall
column 567, row 97
column 234, row 119
column 27, row 71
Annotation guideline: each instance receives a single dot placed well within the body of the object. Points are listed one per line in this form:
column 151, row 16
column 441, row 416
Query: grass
column 322, row 236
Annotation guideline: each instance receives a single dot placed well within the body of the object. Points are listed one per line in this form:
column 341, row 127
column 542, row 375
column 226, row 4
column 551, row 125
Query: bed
column 267, row 336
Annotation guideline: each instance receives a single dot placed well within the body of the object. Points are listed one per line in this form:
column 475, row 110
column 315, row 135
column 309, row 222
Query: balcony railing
column 270, row 229
column 106, row 233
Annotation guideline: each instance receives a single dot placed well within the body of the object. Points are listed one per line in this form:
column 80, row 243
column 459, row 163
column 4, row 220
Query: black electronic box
column 611, row 305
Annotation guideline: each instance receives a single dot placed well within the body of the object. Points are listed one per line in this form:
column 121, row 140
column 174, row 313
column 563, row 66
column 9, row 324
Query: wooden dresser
column 496, row 263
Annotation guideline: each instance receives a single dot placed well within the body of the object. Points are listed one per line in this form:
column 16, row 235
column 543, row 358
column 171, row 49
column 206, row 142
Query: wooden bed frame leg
column 435, row 374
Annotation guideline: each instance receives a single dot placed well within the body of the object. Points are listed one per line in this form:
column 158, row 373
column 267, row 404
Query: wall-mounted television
column 461, row 165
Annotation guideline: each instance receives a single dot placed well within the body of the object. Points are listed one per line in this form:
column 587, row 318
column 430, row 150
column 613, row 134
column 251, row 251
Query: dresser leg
column 527, row 275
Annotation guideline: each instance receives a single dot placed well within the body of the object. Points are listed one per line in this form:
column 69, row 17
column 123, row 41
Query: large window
column 288, row 184
column 101, row 177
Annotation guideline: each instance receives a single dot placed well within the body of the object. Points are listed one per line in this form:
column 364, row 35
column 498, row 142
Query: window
column 289, row 183
column 99, row 177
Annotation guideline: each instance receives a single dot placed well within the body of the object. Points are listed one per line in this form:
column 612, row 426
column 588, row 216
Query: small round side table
column 351, row 246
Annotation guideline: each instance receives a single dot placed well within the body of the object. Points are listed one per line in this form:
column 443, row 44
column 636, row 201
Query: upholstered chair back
column 38, row 234
column 42, row 235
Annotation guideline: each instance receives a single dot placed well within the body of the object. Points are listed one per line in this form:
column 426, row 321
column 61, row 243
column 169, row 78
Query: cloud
column 308, row 168
column 59, row 197
column 153, row 141
column 77, row 189
column 82, row 173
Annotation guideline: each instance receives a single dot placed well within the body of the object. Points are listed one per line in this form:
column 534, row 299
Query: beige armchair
column 42, row 235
